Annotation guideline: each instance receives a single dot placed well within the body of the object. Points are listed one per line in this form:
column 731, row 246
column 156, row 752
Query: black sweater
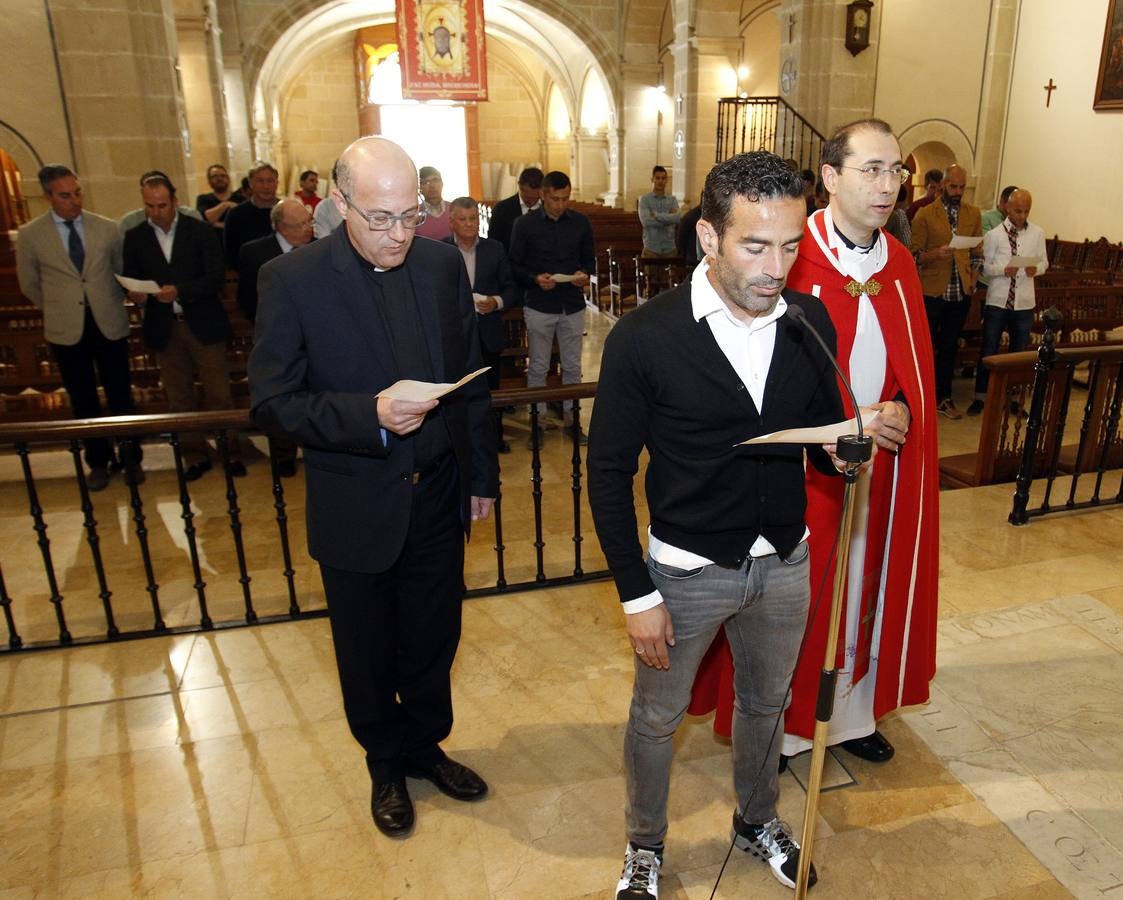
column 666, row 385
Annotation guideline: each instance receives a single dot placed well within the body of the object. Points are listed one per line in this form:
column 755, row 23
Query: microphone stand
column 854, row 450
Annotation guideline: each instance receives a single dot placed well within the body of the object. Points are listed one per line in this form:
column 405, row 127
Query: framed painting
column 1109, row 84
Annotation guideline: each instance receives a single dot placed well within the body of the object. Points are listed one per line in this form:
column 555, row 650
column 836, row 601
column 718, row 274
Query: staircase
column 766, row 123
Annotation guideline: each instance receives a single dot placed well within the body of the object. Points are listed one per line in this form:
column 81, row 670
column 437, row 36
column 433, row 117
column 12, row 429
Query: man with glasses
column 947, row 276
column 870, row 288
column 392, row 485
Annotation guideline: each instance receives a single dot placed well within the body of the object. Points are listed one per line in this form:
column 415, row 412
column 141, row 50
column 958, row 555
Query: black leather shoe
column 391, row 808
column 195, row 471
column 783, row 766
column 872, row 748
column 451, row 778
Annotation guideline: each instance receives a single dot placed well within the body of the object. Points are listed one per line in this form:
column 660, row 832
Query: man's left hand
column 481, row 508
column 167, row 293
column 580, row 279
column 890, row 425
column 1031, row 271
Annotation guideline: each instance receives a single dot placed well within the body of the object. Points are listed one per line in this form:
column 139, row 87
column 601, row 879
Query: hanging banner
column 441, row 49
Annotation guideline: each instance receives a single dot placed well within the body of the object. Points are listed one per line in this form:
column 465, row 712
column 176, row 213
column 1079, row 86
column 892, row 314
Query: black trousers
column 82, row 365
column 396, row 633
column 945, row 323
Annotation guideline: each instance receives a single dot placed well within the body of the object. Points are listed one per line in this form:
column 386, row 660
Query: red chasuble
column 904, row 507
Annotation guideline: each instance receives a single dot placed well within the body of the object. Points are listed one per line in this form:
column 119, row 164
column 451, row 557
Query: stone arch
column 543, row 27
column 924, row 140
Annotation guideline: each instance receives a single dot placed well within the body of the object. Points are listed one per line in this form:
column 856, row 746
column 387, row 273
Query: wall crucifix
column 1049, row 88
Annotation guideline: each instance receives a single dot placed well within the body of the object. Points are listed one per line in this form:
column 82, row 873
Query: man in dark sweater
column 554, row 240
column 250, row 220
column 688, row 377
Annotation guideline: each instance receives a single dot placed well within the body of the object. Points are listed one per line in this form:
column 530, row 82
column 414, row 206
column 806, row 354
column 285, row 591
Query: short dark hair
column 152, row 173
column 837, row 147
column 261, row 167
column 158, row 179
column 556, row 181
column 428, row 172
column 756, row 176
column 657, row 169
column 308, row 172
column 933, row 176
column 214, row 166
column 902, row 194
column 808, row 176
column 531, row 177
column 1007, row 191
column 464, row 203
column 53, row 172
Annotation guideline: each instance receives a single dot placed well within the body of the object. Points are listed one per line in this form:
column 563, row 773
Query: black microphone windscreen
column 795, row 311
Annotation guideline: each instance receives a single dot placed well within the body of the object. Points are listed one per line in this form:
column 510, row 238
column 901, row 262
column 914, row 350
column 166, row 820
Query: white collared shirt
column 996, row 256
column 166, row 239
column 285, row 245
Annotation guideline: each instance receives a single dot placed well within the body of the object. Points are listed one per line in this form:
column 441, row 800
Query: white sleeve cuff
column 642, row 604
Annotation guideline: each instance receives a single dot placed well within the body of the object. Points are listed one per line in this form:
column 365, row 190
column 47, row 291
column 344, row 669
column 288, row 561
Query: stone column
column 832, row 86
column 127, row 115
column 201, row 68
column 705, row 52
column 590, row 174
column 640, row 110
column 993, row 101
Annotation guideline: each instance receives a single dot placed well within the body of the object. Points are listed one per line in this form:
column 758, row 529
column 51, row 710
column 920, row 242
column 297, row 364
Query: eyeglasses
column 874, row 173
column 384, row 221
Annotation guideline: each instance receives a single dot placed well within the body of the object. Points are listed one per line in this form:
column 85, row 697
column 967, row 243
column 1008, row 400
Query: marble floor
column 219, row 764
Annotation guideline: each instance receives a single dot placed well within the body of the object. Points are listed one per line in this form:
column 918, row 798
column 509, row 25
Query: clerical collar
column 364, row 263
column 863, row 248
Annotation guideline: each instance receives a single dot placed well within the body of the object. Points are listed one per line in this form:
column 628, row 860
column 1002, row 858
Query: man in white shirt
column 1010, row 293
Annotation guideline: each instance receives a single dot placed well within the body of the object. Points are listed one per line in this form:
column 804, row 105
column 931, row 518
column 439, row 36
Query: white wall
column 1067, row 155
column 931, row 58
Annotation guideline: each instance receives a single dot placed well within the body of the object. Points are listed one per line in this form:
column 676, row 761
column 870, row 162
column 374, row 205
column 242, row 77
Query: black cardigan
column 666, row 385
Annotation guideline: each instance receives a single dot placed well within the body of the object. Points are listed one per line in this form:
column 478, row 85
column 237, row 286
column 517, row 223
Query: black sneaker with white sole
column 773, row 843
column 640, row 878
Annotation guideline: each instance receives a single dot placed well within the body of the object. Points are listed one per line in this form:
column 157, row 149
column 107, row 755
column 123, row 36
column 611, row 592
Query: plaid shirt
column 953, row 293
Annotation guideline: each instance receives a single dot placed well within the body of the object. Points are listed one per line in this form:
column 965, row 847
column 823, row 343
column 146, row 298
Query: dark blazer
column 666, row 386
column 253, row 255
column 493, row 278
column 503, row 216
column 320, row 356
column 195, row 269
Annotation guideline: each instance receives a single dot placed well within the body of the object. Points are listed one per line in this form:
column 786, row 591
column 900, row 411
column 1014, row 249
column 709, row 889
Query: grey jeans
column 540, row 331
column 763, row 607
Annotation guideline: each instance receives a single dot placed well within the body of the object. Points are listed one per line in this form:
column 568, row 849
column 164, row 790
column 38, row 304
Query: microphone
column 861, row 443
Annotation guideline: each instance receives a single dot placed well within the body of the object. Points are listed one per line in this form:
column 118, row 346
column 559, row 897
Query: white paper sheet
column 420, row 391
column 965, row 241
column 135, row 284
column 1025, row 262
column 822, row 434
column 563, row 279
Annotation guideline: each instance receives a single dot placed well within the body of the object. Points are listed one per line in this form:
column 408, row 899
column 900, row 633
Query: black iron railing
column 144, row 574
column 766, row 123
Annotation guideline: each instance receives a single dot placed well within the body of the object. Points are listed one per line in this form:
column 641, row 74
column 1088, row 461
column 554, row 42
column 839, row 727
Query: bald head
column 376, row 176
column 1018, row 206
column 292, row 221
column 954, row 183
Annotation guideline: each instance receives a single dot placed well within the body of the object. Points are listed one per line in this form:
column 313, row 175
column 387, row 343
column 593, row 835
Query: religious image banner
column 441, row 49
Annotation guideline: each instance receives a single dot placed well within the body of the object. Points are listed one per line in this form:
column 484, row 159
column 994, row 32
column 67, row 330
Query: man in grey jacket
column 66, row 260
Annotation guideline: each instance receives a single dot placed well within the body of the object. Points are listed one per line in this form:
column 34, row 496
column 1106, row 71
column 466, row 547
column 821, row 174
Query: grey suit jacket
column 48, row 278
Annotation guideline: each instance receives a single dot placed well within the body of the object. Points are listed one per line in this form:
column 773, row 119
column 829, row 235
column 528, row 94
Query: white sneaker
column 640, row 878
column 773, row 843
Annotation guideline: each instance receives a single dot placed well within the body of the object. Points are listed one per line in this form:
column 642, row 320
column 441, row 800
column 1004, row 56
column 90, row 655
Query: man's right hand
column 546, row 282
column 944, row 252
column 403, row 416
column 650, row 632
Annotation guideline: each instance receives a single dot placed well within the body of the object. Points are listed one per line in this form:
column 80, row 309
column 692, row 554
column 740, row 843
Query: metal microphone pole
column 853, row 449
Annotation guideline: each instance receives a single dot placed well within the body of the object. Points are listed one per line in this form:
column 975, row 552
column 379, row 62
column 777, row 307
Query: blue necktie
column 74, row 248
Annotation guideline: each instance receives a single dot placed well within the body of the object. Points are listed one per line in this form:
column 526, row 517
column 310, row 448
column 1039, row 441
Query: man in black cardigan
column 689, row 376
column 184, row 322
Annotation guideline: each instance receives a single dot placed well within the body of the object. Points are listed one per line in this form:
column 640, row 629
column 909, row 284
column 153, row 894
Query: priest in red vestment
column 869, row 285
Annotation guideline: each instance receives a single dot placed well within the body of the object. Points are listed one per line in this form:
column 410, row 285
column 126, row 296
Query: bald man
column 1010, row 291
column 392, row 485
column 947, row 276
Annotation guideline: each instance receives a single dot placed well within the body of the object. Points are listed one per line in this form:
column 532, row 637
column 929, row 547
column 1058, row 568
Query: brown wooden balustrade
column 170, row 556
